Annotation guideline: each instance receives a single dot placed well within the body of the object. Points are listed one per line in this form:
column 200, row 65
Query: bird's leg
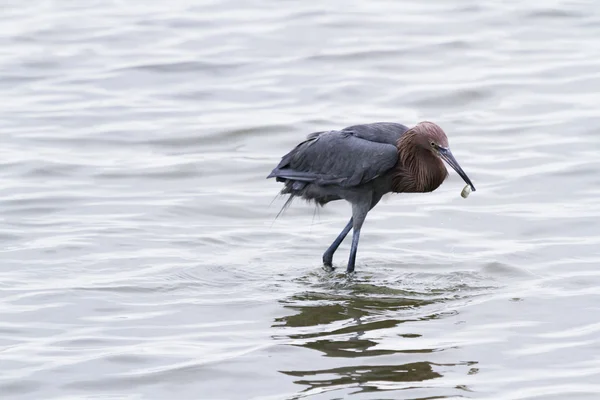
column 328, row 255
column 359, row 213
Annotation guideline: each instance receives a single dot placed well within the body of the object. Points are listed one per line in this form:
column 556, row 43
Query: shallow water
column 141, row 256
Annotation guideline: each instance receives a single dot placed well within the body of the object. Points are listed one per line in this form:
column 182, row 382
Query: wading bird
column 360, row 164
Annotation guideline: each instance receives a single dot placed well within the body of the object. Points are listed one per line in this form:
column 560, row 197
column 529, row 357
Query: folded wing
column 350, row 157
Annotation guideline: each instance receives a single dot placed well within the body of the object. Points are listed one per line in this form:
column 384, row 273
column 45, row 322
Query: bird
column 360, row 164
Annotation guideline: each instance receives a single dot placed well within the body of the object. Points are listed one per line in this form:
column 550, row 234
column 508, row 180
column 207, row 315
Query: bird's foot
column 328, row 267
column 350, row 269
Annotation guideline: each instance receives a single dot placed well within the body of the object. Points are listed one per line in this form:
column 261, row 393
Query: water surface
column 141, row 257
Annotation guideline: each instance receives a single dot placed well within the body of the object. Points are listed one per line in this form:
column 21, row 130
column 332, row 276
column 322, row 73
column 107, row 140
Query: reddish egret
column 360, row 164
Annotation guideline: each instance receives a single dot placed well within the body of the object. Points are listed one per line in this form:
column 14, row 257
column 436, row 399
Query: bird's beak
column 447, row 156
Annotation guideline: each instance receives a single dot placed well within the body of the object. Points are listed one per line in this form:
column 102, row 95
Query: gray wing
column 350, row 157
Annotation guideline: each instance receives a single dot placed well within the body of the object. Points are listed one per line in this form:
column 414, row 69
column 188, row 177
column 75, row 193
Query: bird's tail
column 294, row 189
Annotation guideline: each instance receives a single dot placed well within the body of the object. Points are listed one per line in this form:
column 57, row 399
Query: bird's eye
column 432, row 144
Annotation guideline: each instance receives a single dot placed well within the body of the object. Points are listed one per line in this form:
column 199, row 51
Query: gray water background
column 141, row 257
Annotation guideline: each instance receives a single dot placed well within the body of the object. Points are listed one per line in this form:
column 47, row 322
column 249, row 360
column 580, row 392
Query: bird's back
column 380, row 132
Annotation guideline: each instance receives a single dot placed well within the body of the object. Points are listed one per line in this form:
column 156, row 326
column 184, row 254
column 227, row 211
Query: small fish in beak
column 465, row 192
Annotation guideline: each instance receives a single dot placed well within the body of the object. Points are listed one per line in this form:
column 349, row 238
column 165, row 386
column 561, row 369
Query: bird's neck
column 418, row 169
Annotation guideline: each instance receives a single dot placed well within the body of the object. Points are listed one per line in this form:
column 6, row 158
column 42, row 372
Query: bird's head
column 431, row 137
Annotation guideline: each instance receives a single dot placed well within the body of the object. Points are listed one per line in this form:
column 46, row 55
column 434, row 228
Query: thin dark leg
column 328, row 255
column 353, row 250
column 359, row 213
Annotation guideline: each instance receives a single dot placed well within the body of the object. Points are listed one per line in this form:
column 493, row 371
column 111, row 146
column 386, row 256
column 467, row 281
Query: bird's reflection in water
column 354, row 322
column 362, row 375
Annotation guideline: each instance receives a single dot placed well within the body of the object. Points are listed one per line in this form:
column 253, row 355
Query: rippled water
column 141, row 257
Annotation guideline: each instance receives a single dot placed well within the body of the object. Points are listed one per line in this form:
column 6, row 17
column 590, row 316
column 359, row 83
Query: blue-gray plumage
column 360, row 164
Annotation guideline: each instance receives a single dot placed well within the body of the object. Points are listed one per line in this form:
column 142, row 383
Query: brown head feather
column 418, row 168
